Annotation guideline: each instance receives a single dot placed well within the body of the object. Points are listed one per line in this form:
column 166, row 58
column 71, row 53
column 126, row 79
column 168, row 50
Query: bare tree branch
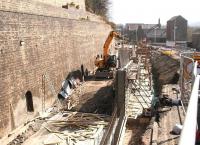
column 99, row 7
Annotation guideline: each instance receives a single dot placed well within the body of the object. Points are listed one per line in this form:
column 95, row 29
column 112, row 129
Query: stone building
column 177, row 29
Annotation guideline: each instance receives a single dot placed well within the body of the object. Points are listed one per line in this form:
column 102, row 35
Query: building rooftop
column 175, row 17
column 161, row 33
column 134, row 26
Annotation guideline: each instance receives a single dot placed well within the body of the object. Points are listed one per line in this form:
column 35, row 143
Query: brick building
column 196, row 41
column 156, row 35
column 177, row 29
column 136, row 31
column 152, row 32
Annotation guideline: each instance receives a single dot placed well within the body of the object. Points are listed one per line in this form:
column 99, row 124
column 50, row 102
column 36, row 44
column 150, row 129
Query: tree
column 99, row 7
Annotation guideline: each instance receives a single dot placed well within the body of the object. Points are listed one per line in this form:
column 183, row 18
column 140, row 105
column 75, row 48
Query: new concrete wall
column 32, row 44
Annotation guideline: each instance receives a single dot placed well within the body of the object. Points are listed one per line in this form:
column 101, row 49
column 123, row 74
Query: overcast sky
column 148, row 11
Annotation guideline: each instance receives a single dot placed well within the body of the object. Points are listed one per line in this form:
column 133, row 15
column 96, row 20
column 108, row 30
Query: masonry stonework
column 32, row 45
column 60, row 3
column 47, row 8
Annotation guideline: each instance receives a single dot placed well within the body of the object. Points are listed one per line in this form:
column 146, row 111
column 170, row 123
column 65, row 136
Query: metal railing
column 187, row 78
column 188, row 134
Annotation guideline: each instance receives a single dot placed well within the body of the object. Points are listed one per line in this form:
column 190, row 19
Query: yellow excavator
column 106, row 62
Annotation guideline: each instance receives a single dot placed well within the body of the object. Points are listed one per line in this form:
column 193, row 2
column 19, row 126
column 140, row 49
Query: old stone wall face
column 32, row 45
column 47, row 8
column 60, row 3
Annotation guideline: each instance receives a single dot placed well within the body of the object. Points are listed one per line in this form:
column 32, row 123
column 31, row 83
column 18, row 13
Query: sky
column 149, row 11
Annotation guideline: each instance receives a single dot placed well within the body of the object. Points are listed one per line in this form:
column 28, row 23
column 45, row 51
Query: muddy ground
column 97, row 97
column 135, row 129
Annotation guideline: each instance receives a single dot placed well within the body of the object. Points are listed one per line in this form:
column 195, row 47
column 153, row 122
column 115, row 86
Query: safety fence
column 189, row 95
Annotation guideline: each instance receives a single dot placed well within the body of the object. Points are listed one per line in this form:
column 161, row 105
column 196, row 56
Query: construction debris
column 72, row 127
column 67, row 86
column 166, row 101
column 61, row 128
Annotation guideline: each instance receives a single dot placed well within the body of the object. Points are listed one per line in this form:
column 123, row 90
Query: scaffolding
column 139, row 84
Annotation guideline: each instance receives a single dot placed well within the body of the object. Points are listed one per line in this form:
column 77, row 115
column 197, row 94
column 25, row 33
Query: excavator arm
column 107, row 44
column 107, row 61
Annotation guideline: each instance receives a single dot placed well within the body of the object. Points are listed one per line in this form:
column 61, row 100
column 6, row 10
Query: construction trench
column 111, row 111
